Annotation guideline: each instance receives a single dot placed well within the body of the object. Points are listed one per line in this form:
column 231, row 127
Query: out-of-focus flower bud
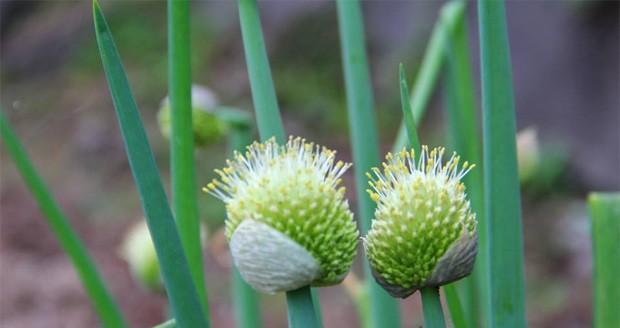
column 207, row 124
column 528, row 153
column 139, row 252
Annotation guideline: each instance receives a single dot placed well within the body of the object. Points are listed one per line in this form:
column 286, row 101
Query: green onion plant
column 423, row 221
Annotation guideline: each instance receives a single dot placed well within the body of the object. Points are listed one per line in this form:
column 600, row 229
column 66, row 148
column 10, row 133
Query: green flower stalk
column 424, row 233
column 207, row 124
column 288, row 224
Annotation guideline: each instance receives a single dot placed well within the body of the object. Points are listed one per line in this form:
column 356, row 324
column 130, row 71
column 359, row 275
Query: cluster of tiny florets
column 207, row 124
column 421, row 211
column 295, row 189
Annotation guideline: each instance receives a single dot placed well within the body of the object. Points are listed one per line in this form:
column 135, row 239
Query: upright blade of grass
column 270, row 124
column 384, row 308
column 605, row 213
column 465, row 138
column 263, row 92
column 245, row 300
column 501, row 182
column 182, row 170
column 428, row 72
column 105, row 306
column 182, row 294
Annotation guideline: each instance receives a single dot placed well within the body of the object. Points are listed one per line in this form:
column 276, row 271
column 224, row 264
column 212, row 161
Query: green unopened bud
column 139, row 252
column 288, row 223
column 208, row 126
column 424, row 232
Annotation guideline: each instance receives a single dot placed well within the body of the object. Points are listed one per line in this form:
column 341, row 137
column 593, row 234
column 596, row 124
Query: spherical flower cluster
column 424, row 232
column 288, row 223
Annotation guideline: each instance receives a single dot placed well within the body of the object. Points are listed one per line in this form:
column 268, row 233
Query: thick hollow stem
column 301, row 312
column 431, row 306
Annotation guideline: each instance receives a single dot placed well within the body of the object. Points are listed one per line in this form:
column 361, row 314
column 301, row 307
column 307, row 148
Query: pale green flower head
column 208, row 126
column 288, row 223
column 424, row 232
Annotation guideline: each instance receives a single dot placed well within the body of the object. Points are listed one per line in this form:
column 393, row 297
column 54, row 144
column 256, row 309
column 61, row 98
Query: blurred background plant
column 565, row 61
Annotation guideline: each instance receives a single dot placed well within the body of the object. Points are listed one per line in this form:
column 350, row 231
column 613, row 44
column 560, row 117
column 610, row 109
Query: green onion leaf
column 465, row 139
column 412, row 132
column 428, row 72
column 182, row 170
column 263, row 92
column 506, row 302
column 105, row 306
column 182, row 294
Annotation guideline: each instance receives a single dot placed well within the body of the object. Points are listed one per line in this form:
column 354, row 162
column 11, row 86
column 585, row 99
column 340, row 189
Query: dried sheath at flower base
column 288, row 224
column 424, row 232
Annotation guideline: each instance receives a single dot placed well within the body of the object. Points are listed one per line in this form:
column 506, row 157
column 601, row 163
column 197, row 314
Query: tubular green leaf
column 426, row 78
column 605, row 213
column 506, row 302
column 182, row 170
column 412, row 133
column 465, row 138
column 384, row 308
column 182, row 294
column 105, row 306
column 263, row 92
